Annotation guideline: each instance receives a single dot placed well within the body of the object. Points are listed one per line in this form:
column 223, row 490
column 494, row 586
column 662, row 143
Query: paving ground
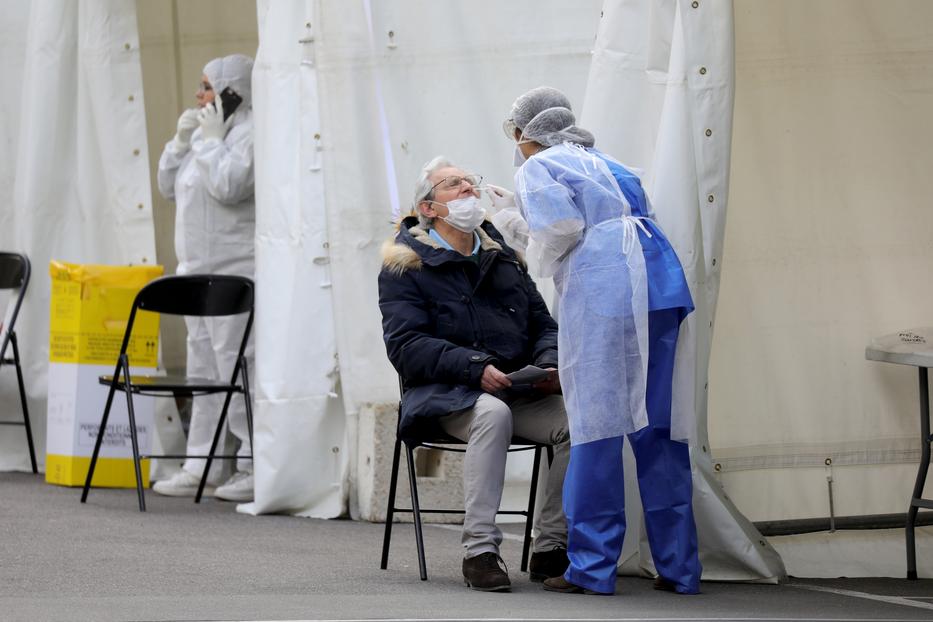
column 60, row 560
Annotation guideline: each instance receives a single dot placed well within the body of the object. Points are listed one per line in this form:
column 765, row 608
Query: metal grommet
column 718, row 467
column 694, row 4
column 135, row 152
column 144, row 260
column 702, row 71
column 709, row 132
column 714, row 261
column 130, row 98
column 140, row 206
column 710, row 199
column 317, row 136
column 828, row 462
column 126, row 46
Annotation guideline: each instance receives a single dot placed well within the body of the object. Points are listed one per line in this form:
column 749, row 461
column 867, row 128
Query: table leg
column 917, row 500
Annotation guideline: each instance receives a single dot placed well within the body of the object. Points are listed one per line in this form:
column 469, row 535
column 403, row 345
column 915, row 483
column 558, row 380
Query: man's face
column 444, row 191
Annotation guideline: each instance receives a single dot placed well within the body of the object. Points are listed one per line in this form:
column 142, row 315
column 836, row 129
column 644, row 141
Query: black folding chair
column 14, row 274
column 204, row 295
column 443, row 443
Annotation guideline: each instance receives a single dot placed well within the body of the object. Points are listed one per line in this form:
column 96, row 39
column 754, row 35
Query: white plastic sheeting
column 73, row 165
column 660, row 97
column 299, row 442
column 394, row 84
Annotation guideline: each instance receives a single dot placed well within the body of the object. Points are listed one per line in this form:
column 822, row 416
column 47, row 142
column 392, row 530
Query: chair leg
column 210, row 454
column 416, row 512
column 100, row 431
column 22, row 398
column 131, row 413
column 529, row 515
column 390, row 509
column 249, row 403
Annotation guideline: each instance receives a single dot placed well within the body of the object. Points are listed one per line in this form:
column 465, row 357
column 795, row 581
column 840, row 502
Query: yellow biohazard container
column 90, row 307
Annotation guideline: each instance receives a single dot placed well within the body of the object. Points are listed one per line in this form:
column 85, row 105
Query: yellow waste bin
column 90, row 307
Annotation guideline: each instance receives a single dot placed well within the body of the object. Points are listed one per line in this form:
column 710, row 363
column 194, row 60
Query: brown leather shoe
column 562, row 585
column 483, row 573
column 548, row 564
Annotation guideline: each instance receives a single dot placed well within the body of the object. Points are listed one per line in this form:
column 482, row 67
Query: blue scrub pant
column 594, row 496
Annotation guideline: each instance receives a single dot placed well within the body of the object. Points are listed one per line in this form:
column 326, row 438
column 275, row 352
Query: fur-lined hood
column 412, row 247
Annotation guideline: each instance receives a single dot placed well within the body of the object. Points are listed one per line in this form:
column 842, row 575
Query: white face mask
column 518, row 158
column 465, row 214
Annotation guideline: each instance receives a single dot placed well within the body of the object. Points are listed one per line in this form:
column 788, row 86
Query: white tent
column 830, row 102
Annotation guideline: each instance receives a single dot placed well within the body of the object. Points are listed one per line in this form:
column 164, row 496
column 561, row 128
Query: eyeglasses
column 454, row 181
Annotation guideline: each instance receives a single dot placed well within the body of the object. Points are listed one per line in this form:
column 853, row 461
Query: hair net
column 543, row 115
column 234, row 71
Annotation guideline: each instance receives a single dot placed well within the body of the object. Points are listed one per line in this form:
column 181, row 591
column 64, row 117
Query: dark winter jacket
column 446, row 316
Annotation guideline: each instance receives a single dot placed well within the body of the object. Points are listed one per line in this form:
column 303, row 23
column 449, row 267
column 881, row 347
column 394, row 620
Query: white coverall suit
column 212, row 185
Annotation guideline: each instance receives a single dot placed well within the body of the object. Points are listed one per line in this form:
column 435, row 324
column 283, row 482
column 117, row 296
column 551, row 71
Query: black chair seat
column 178, row 385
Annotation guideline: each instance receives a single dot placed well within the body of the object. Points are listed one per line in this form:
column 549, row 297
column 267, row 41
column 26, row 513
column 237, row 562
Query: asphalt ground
column 61, row 560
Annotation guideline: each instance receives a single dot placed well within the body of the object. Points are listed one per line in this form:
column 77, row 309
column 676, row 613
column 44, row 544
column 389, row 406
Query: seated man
column 459, row 312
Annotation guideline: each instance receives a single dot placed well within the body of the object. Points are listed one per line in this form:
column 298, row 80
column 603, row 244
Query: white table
column 912, row 347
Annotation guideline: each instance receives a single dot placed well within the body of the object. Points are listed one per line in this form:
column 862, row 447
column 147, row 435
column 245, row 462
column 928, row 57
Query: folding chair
column 14, row 275
column 442, row 443
column 204, row 295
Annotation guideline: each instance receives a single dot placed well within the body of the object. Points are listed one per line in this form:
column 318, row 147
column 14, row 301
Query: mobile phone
column 230, row 101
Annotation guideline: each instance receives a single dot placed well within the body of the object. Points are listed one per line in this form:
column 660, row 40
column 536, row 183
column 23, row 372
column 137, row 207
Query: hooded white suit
column 212, row 185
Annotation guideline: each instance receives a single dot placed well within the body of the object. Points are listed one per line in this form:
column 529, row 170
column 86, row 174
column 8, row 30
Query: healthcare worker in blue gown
column 584, row 219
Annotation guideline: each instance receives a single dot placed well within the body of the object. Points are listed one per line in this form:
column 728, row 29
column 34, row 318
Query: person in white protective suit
column 207, row 168
column 585, row 219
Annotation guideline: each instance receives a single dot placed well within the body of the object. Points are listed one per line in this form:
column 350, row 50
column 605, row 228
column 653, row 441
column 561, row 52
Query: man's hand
column 549, row 385
column 494, row 380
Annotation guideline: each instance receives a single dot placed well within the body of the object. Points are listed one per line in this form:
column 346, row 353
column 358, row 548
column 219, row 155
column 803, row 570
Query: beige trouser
column 487, row 428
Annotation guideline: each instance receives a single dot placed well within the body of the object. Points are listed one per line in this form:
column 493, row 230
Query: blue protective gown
column 594, row 496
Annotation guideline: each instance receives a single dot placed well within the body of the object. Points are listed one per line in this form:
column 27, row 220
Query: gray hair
column 423, row 189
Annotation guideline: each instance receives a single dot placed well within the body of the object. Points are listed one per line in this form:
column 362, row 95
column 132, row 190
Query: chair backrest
column 203, row 295
column 14, row 274
column 197, row 294
column 14, row 271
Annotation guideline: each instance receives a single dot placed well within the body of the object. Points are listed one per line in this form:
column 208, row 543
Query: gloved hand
column 212, row 122
column 187, row 124
column 500, row 197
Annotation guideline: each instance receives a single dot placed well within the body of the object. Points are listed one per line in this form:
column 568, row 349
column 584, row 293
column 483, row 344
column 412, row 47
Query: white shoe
column 237, row 488
column 182, row 484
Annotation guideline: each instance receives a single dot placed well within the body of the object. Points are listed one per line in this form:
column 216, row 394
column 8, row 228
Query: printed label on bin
column 116, row 435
